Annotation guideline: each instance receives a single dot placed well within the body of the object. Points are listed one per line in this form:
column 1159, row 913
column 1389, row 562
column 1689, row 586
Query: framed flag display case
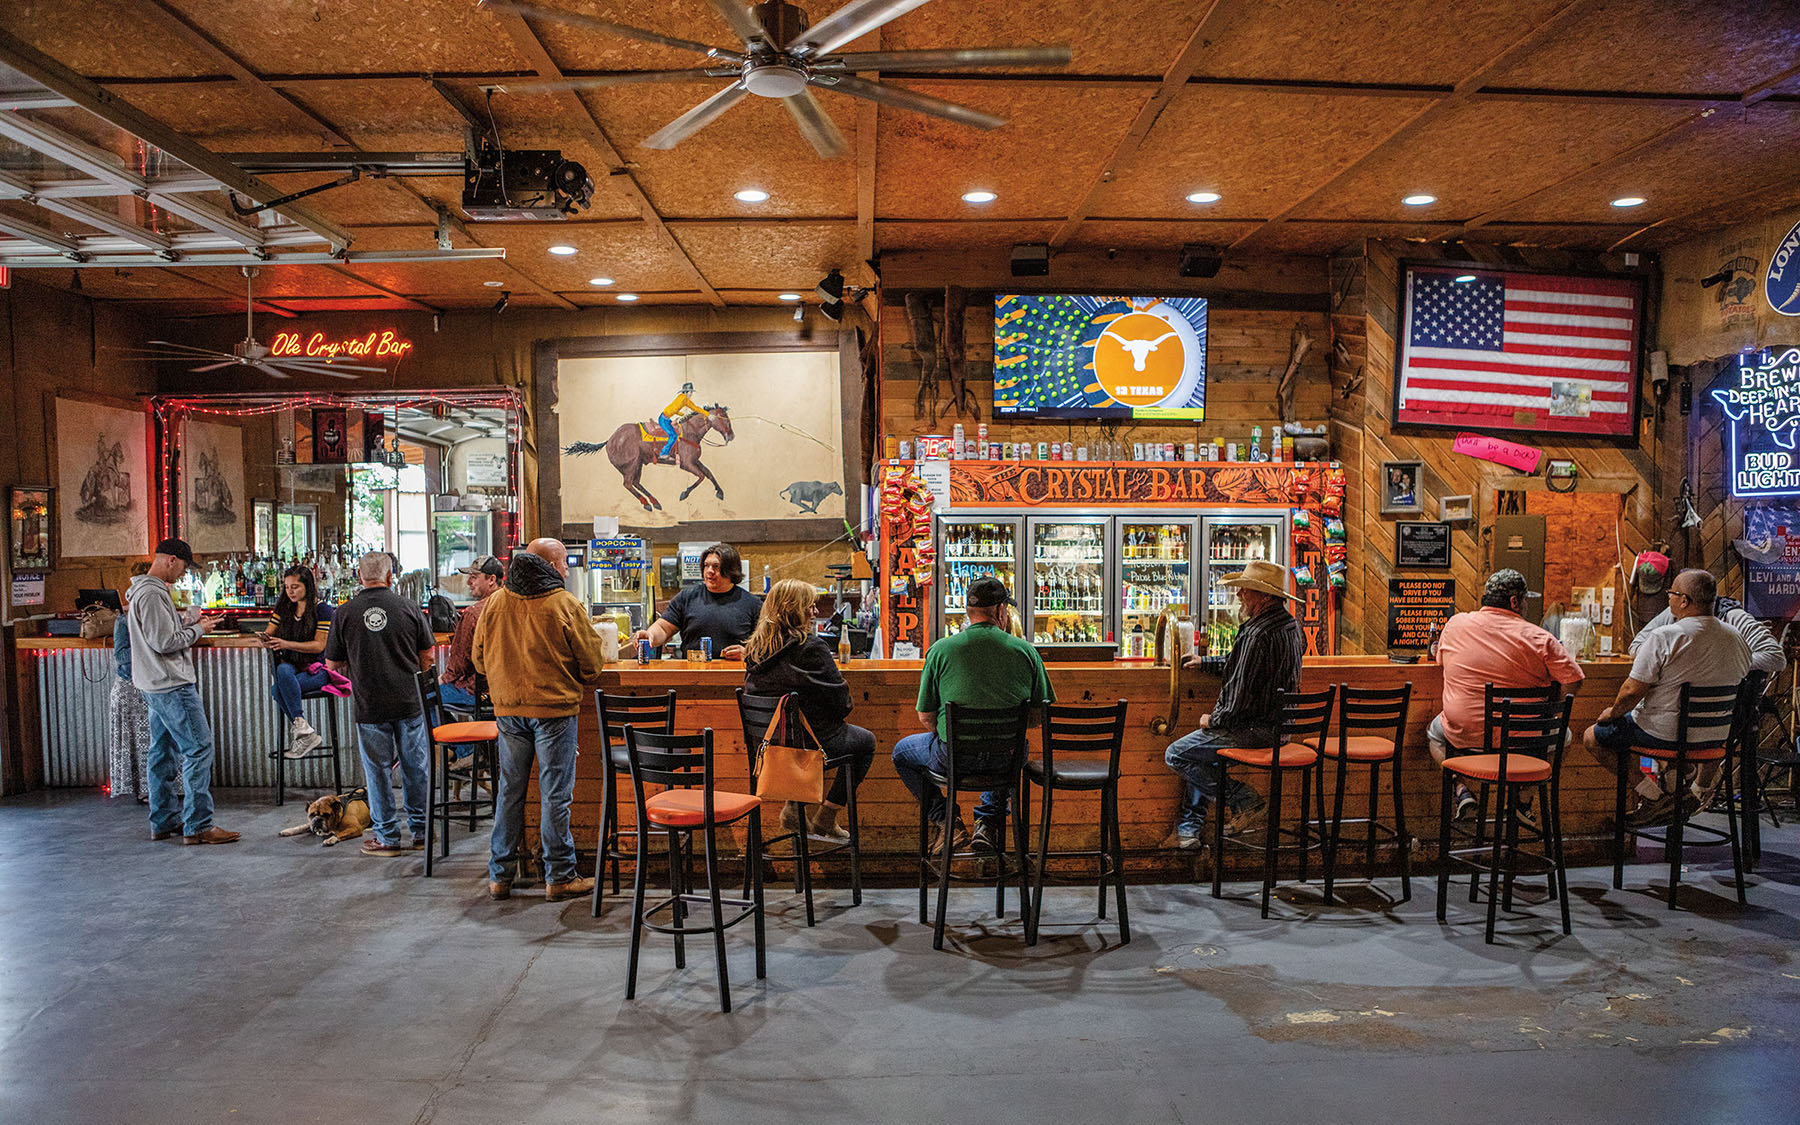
column 1480, row 348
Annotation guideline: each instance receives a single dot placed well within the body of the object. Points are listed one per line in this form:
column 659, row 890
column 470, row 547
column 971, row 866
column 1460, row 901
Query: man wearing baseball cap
column 1493, row 645
column 982, row 666
column 461, row 686
column 1264, row 662
column 162, row 667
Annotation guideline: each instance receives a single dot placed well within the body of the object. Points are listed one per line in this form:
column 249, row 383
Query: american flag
column 1518, row 351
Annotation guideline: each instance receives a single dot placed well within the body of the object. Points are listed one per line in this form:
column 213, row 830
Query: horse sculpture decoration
column 629, row 451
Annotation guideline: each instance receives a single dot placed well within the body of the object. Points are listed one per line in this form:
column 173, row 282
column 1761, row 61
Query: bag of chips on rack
column 1302, row 519
column 1334, row 530
column 1303, row 578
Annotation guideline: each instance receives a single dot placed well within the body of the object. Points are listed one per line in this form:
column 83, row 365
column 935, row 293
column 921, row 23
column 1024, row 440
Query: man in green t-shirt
column 982, row 666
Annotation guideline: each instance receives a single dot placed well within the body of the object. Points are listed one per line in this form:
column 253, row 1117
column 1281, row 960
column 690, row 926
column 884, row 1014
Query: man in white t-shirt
column 1698, row 649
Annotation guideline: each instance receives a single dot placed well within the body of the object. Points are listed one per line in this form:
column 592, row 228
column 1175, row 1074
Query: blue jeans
column 452, row 696
column 1196, row 757
column 917, row 754
column 179, row 731
column 552, row 743
column 289, row 683
column 382, row 744
column 668, row 425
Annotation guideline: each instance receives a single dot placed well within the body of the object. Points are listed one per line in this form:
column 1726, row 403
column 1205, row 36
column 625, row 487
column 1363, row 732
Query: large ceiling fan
column 783, row 56
column 249, row 352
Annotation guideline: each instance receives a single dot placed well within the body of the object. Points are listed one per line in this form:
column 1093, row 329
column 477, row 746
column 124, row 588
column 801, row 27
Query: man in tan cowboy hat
column 1264, row 662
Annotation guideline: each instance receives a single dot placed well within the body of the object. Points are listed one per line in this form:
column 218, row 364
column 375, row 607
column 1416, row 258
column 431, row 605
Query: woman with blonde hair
column 784, row 655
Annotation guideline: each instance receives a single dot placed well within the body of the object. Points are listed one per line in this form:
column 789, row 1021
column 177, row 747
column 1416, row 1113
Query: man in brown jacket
column 539, row 653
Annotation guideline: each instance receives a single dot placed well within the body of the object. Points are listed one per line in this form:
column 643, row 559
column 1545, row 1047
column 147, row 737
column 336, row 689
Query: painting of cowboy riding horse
column 662, row 440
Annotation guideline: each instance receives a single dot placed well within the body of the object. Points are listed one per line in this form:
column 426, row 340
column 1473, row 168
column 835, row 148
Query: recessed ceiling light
column 979, row 197
column 628, row 296
column 562, row 251
column 750, row 195
column 493, row 284
column 1419, row 200
column 1203, row 197
column 600, row 281
column 1628, row 201
column 788, row 296
column 1465, row 277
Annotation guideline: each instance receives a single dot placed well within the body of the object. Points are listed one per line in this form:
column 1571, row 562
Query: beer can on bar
column 644, row 650
column 705, row 649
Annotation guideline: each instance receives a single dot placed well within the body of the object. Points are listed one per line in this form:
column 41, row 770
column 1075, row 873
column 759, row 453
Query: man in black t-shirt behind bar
column 383, row 642
column 717, row 608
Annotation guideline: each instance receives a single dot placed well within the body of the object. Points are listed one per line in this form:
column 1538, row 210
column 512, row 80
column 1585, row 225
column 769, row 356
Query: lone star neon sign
column 1763, row 407
column 383, row 343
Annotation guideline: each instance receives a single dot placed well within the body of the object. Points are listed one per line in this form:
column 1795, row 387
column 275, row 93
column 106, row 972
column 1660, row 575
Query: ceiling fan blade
column 695, row 119
column 188, row 348
column 339, row 372
column 952, row 59
column 816, row 125
column 743, row 21
column 589, row 23
column 852, row 21
column 270, row 369
column 323, row 366
column 595, row 82
column 906, row 99
column 213, row 366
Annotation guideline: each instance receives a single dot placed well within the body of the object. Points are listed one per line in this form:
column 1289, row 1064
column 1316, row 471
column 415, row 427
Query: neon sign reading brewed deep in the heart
column 383, row 343
column 1763, row 406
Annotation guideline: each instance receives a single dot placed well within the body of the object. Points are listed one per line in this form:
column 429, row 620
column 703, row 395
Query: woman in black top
column 296, row 638
column 785, row 655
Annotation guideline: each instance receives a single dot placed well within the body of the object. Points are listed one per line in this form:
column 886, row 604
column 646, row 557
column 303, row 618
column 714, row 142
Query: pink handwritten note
column 1498, row 450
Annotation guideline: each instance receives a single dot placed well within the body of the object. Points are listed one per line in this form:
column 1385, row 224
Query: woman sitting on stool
column 785, row 655
column 296, row 638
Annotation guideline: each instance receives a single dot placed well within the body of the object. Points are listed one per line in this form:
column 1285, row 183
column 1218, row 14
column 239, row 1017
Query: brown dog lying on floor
column 337, row 817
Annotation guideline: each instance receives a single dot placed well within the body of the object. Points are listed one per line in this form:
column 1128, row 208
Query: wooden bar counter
column 884, row 692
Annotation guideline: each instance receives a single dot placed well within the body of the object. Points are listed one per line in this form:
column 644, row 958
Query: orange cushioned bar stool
column 985, row 751
column 1081, row 754
column 1305, row 717
column 1523, row 742
column 465, row 754
column 648, row 713
column 683, row 762
column 1702, row 709
column 1381, row 712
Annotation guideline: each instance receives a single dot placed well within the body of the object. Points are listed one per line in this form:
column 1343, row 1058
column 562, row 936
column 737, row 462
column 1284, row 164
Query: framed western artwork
column 102, row 480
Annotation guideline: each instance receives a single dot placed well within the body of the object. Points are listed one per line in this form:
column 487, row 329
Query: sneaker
column 497, row 889
column 1653, row 814
column 1526, row 814
column 1183, row 840
column 375, row 847
column 212, row 835
column 580, row 885
column 1249, row 819
column 990, row 836
column 302, row 739
column 1465, row 805
column 959, row 837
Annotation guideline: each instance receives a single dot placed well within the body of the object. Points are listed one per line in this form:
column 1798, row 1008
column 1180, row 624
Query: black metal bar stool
column 985, row 751
column 1081, row 754
column 1703, row 709
column 1524, row 739
column 684, row 762
column 1381, row 712
column 326, row 749
column 653, row 714
column 1305, row 717
column 466, row 753
column 755, row 713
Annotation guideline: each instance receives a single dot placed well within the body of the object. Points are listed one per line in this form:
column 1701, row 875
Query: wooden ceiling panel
column 351, row 36
column 274, row 282
column 1123, row 37
column 1260, row 151
column 366, row 201
column 1105, row 235
column 1482, row 155
column 1735, row 152
column 925, row 235
column 1387, row 41
column 753, row 144
column 576, row 48
column 630, row 253
column 1039, row 162
column 1687, row 45
column 391, row 116
column 103, row 37
column 791, row 256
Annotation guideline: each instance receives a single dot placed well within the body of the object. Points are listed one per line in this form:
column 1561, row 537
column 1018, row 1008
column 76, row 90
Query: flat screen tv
column 1078, row 356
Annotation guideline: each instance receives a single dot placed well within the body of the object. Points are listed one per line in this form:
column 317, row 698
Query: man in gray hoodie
column 162, row 667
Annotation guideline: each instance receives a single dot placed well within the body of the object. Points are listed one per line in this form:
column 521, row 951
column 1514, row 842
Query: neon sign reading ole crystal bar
column 1763, row 408
column 383, row 343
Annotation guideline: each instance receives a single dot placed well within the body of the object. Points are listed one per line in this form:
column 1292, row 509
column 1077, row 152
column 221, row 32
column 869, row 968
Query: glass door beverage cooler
column 971, row 547
column 1229, row 542
column 1156, row 571
column 1067, row 587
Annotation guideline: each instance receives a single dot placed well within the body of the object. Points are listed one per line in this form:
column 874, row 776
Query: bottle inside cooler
column 1068, row 575
column 1230, row 546
column 1153, row 576
column 971, row 551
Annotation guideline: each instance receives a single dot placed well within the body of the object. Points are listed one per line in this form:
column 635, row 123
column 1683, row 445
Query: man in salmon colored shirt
column 1494, row 645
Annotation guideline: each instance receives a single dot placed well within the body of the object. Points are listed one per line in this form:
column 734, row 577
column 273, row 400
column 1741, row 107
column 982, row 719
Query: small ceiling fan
column 249, row 352
column 783, row 56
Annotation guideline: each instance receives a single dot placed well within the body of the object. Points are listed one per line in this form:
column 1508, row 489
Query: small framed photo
column 1402, row 488
column 32, row 541
column 1456, row 509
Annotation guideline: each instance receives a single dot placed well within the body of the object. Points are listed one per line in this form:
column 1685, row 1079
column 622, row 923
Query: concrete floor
column 274, row 980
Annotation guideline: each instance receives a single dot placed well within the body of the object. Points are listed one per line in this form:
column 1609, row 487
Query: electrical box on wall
column 668, row 572
column 1519, row 544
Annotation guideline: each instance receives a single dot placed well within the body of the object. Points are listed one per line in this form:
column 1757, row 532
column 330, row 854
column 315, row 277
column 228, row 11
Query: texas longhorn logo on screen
column 1147, row 356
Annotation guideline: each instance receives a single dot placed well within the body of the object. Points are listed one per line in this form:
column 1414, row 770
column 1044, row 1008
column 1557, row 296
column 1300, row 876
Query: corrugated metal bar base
column 234, row 690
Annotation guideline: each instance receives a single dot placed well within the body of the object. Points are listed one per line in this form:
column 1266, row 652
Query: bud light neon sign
column 1763, row 406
